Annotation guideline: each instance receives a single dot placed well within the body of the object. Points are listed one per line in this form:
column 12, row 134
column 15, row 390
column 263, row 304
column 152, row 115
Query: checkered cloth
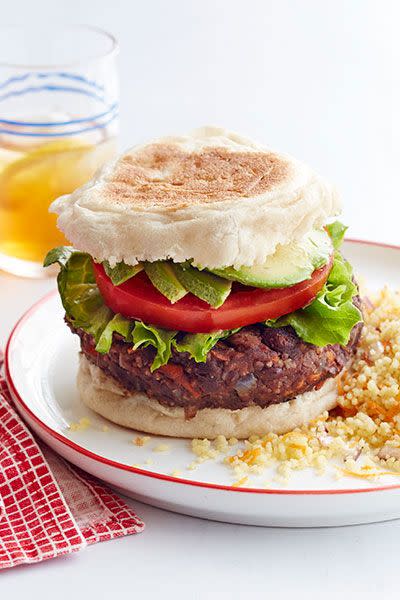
column 48, row 507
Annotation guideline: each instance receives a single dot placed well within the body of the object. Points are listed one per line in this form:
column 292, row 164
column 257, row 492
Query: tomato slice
column 137, row 298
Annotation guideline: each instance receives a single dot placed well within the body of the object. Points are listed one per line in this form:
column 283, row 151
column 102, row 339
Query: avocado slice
column 121, row 272
column 162, row 275
column 289, row 264
column 208, row 287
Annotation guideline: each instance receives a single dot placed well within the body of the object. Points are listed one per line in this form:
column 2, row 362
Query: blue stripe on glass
column 15, row 79
column 51, row 88
column 41, row 75
column 112, row 108
column 63, row 134
column 73, row 77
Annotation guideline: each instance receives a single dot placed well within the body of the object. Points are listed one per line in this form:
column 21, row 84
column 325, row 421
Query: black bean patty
column 258, row 365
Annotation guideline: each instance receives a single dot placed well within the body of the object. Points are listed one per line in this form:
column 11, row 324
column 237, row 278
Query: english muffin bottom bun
column 108, row 398
column 207, row 287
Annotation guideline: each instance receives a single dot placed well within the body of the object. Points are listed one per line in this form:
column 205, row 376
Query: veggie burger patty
column 256, row 366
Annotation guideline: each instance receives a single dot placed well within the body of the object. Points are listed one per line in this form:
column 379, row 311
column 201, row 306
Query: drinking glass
column 58, row 125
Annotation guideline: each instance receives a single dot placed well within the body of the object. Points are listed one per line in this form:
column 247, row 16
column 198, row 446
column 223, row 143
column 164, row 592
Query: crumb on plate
column 141, row 440
column 83, row 424
column 176, row 473
column 240, row 482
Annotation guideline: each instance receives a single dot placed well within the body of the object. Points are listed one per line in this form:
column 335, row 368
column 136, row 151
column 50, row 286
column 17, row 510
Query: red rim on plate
column 111, row 463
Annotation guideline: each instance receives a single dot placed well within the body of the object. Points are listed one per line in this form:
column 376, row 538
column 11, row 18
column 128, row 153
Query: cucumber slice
column 208, row 287
column 162, row 275
column 289, row 265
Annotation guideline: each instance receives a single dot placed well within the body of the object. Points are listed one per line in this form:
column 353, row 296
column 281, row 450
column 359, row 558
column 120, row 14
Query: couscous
column 361, row 437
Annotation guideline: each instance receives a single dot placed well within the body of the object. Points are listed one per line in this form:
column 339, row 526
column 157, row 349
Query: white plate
column 41, row 365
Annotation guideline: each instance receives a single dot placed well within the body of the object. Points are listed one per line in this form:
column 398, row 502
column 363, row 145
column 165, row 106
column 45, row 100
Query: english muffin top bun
column 162, row 201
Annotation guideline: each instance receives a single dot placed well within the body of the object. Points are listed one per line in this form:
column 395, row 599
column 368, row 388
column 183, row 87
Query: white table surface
column 319, row 80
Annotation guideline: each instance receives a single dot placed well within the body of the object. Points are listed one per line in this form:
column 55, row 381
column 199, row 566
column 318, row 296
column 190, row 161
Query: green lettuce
column 198, row 345
column 329, row 318
column 336, row 231
column 160, row 339
column 118, row 324
column 78, row 290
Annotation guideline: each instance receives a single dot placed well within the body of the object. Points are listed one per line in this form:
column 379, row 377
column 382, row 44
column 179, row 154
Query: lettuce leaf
column 336, row 231
column 160, row 339
column 60, row 255
column 198, row 345
column 330, row 318
column 118, row 324
column 79, row 293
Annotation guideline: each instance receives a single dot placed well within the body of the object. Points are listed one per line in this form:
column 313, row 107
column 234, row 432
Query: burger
column 207, row 288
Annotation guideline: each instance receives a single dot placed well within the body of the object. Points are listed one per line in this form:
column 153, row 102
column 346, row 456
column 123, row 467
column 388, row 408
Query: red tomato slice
column 137, row 298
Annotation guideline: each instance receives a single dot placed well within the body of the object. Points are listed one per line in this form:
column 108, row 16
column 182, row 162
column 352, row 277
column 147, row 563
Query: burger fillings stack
column 207, row 288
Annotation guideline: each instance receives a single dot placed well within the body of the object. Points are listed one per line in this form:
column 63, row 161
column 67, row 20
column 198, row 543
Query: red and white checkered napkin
column 47, row 507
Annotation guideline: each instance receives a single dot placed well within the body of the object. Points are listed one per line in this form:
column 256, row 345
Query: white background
column 316, row 78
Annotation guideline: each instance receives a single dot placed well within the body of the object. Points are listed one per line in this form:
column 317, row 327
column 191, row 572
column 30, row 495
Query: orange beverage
column 58, row 125
column 30, row 179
